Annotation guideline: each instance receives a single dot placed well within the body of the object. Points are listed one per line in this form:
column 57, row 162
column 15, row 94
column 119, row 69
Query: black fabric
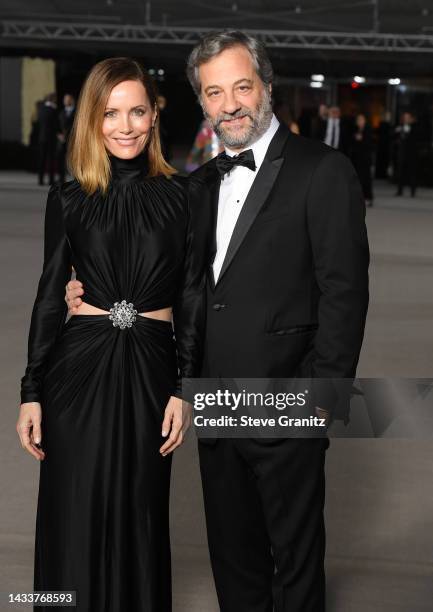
column 265, row 523
column 142, row 242
column 292, row 299
column 298, row 257
column 225, row 163
column 361, row 154
column 102, row 521
column 407, row 160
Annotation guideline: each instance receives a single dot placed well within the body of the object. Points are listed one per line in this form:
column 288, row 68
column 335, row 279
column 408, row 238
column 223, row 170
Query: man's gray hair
column 214, row 43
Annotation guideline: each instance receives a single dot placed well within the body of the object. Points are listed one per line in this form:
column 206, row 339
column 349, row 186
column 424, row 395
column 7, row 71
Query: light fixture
column 316, row 84
column 318, row 77
column 359, row 79
column 161, row 71
column 394, row 81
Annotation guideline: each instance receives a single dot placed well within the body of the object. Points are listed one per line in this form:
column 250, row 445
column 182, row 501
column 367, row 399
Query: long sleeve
column 189, row 308
column 336, row 218
column 49, row 309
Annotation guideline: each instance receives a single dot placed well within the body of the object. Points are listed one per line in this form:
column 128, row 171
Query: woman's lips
column 125, row 142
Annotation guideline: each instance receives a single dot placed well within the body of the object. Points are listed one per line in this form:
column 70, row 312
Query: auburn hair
column 87, row 156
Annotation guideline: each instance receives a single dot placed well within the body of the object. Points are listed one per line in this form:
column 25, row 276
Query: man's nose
column 231, row 104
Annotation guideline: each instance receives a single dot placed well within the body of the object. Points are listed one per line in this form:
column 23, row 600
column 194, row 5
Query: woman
column 102, row 389
column 361, row 152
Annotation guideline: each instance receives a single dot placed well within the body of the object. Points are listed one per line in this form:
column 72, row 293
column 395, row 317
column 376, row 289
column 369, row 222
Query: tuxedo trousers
column 264, row 502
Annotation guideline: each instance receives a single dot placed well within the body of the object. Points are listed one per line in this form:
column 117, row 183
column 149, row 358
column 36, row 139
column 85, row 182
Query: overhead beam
column 20, row 30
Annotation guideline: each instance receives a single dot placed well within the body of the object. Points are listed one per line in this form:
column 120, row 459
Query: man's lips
column 235, row 120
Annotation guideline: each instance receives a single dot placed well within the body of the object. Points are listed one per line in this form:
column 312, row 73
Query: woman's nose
column 125, row 126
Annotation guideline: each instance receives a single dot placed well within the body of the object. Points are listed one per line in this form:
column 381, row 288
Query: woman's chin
column 125, row 152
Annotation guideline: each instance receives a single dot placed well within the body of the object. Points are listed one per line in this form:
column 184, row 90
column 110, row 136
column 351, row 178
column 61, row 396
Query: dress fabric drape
column 102, row 525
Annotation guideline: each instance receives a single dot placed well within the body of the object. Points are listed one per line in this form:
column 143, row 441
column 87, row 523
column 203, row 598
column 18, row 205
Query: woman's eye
column 109, row 114
column 139, row 112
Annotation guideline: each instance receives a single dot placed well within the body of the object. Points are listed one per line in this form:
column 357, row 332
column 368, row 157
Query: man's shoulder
column 306, row 148
column 310, row 154
column 203, row 172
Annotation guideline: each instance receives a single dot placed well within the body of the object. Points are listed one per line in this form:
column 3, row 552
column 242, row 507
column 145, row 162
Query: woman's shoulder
column 69, row 194
column 186, row 186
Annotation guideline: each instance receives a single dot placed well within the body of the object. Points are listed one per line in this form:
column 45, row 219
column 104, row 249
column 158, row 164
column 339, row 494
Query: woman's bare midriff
column 164, row 314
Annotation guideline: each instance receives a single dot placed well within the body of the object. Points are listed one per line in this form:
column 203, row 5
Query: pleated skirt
column 102, row 525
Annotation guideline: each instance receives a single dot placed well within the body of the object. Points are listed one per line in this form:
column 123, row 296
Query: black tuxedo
column 292, row 294
column 290, row 300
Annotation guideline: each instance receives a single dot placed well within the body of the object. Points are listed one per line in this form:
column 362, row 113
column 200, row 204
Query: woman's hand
column 29, row 428
column 177, row 419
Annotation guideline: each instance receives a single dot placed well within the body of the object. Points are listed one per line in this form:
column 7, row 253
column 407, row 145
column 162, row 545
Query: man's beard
column 260, row 121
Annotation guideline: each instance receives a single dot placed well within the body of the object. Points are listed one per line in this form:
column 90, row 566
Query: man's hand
column 73, row 290
column 323, row 414
column 177, row 419
column 29, row 429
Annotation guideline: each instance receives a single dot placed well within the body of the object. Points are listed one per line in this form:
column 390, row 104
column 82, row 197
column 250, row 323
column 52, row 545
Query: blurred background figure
column 384, row 146
column 34, row 136
column 336, row 134
column 66, row 120
column 164, row 130
column 49, row 130
column 206, row 146
column 407, row 141
column 319, row 123
column 361, row 154
column 284, row 114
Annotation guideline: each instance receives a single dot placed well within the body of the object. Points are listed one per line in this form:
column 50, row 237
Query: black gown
column 102, row 526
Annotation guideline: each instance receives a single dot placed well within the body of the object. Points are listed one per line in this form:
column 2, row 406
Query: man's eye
column 244, row 87
column 213, row 93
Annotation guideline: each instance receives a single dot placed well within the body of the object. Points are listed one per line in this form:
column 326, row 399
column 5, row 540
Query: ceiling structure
column 392, row 37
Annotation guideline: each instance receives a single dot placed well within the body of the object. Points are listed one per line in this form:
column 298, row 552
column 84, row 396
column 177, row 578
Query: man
column 49, row 130
column 337, row 132
column 287, row 296
column 319, row 123
column 406, row 135
column 66, row 119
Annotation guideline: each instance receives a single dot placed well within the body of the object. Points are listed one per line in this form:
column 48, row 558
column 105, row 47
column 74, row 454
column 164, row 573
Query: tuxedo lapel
column 257, row 196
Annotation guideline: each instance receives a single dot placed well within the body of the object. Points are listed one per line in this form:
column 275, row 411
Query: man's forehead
column 231, row 64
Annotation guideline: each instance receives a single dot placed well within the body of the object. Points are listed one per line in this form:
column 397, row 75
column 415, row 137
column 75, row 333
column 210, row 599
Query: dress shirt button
column 218, row 306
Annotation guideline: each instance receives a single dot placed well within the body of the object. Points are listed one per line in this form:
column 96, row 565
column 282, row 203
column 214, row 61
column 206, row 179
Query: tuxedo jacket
column 292, row 295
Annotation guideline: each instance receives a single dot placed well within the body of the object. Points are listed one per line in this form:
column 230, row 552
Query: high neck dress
column 102, row 526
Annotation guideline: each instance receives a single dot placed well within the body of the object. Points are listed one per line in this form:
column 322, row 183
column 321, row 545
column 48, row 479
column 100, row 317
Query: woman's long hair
column 88, row 159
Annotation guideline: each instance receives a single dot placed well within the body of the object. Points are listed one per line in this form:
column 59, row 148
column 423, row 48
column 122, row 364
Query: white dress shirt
column 233, row 192
column 332, row 137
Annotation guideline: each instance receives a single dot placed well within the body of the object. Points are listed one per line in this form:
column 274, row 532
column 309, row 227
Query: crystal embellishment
column 122, row 314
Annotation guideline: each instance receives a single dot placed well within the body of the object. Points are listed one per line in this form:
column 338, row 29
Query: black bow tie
column 225, row 163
